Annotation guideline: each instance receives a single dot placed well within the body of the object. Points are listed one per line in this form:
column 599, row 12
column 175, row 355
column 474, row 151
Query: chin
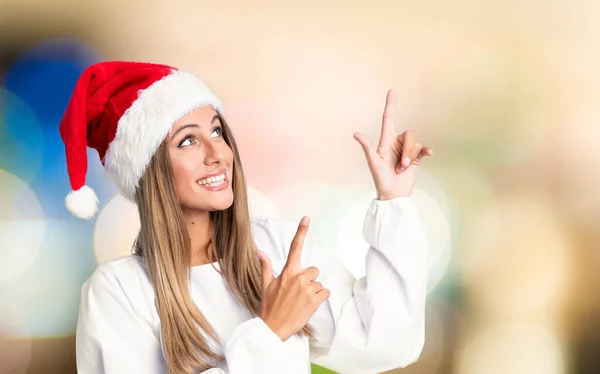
column 217, row 207
column 222, row 202
column 208, row 202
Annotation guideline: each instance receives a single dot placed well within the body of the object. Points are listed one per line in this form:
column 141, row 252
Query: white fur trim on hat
column 82, row 203
column 148, row 121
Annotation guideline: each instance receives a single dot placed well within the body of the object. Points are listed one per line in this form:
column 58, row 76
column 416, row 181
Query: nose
column 214, row 153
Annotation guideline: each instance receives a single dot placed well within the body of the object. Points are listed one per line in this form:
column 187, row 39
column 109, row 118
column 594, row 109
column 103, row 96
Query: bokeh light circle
column 46, row 297
column 45, row 75
column 517, row 257
column 22, row 227
column 326, row 206
column 434, row 213
column 21, row 137
column 260, row 205
column 439, row 236
column 433, row 350
column 351, row 244
column 515, row 348
column 116, row 229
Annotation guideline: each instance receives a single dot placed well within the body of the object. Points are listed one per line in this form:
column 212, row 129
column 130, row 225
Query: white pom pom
column 82, row 203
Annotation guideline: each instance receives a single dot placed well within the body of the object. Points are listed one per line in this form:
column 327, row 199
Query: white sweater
column 368, row 325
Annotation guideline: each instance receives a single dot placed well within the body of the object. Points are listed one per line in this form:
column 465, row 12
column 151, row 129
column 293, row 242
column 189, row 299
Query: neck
column 200, row 231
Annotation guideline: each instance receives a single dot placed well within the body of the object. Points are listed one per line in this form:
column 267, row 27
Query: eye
column 218, row 131
column 188, row 140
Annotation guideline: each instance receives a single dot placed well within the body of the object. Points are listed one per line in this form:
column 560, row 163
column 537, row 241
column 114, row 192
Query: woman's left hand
column 395, row 162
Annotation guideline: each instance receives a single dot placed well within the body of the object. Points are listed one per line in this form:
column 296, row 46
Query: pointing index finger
column 295, row 254
column 387, row 124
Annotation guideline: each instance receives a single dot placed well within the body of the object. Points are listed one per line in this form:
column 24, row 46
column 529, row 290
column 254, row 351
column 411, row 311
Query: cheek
column 229, row 156
column 182, row 172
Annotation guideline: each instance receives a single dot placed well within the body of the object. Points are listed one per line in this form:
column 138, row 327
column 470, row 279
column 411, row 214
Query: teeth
column 214, row 184
column 212, row 181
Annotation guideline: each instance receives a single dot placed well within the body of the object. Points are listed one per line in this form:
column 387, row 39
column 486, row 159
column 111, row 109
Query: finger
column 367, row 147
column 426, row 151
column 323, row 295
column 414, row 156
column 315, row 287
column 310, row 274
column 267, row 269
column 293, row 260
column 416, row 151
column 401, row 138
column 408, row 148
column 387, row 123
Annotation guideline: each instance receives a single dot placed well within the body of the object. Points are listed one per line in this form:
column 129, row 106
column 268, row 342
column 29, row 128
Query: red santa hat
column 124, row 110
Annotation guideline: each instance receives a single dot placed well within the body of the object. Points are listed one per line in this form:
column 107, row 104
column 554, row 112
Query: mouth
column 216, row 181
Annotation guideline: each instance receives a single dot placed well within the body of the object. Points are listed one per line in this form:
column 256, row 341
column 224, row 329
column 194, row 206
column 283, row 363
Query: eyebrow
column 216, row 117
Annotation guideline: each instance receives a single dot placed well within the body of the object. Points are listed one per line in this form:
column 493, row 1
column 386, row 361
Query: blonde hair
column 164, row 245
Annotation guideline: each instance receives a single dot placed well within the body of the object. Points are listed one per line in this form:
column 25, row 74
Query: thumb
column 365, row 143
column 267, row 269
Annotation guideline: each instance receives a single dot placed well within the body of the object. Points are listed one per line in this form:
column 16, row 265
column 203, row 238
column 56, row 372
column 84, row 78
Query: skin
column 197, row 148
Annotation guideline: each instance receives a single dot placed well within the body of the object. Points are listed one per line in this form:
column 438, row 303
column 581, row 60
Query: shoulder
column 121, row 284
column 123, row 278
column 120, row 270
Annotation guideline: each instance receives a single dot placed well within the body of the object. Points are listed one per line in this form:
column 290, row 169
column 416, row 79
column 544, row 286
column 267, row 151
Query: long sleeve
column 115, row 333
column 375, row 323
column 255, row 348
column 110, row 337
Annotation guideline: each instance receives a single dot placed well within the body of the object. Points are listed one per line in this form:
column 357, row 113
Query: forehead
column 200, row 116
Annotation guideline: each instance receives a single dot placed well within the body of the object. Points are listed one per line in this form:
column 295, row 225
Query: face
column 202, row 162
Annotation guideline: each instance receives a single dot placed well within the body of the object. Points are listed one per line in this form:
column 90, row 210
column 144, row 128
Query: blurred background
column 507, row 93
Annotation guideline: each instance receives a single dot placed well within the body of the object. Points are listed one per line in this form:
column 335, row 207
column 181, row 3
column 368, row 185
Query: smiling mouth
column 213, row 181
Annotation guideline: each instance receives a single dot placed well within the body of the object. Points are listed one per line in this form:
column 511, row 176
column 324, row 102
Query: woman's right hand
column 293, row 297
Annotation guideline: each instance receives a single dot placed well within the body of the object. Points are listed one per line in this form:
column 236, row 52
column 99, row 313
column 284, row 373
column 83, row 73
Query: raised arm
column 375, row 323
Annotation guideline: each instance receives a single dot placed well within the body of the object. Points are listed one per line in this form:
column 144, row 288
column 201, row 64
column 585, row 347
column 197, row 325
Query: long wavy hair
column 164, row 245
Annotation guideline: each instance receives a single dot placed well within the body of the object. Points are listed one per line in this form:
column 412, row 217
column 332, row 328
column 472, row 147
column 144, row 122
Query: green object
column 316, row 369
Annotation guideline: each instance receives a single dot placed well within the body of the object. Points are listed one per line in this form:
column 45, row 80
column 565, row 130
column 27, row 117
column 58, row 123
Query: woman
column 198, row 295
